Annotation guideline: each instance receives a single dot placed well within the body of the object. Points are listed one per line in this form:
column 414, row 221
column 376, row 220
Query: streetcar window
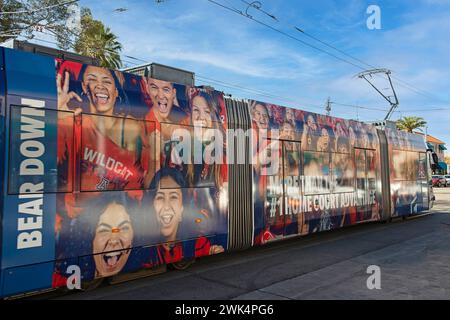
column 66, row 151
column 361, row 171
column 150, row 152
column 197, row 152
column 413, row 165
column 291, row 158
column 406, row 165
column 176, row 151
column 399, row 159
column 41, row 150
column 422, row 166
column 317, row 166
column 343, row 172
column 112, row 153
column 371, row 170
column 269, row 159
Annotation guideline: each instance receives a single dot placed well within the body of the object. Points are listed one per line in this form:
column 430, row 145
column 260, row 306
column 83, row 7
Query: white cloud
column 222, row 47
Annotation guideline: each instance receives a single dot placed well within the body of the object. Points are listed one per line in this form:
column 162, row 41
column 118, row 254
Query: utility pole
column 368, row 74
column 328, row 106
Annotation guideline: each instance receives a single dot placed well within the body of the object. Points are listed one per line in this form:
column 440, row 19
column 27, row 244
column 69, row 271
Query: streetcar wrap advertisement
column 312, row 173
column 111, row 172
column 96, row 175
column 139, row 198
column 408, row 172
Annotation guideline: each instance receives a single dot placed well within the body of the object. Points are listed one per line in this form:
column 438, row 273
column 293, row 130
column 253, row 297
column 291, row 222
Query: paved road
column 414, row 257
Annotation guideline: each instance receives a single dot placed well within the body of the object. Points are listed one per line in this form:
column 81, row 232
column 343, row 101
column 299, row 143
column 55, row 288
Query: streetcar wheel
column 182, row 265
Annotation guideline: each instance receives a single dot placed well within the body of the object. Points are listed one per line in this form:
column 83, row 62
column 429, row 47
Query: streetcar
column 109, row 173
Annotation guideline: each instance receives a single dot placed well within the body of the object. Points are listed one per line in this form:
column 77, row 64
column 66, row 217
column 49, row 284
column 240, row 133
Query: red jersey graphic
column 174, row 252
column 104, row 164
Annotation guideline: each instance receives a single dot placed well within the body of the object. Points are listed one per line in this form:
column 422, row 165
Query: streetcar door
column 290, row 166
column 372, row 207
column 423, row 181
column 365, row 183
column 361, row 182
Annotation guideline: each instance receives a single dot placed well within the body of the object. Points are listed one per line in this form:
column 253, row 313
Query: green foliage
column 98, row 41
column 89, row 37
column 8, row 25
column 32, row 18
column 411, row 123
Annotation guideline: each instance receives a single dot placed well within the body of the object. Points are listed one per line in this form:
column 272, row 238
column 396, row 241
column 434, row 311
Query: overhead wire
column 286, row 34
column 247, row 89
column 225, row 84
column 258, row 92
column 266, row 94
column 401, row 82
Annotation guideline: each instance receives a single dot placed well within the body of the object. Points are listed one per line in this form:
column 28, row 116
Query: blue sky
column 215, row 43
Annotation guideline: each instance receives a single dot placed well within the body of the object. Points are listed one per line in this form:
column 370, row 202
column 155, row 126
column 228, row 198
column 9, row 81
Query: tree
column 8, row 25
column 62, row 19
column 98, row 41
column 25, row 17
column 411, row 123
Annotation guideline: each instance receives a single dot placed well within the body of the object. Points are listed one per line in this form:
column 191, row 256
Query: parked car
column 447, row 178
column 439, row 181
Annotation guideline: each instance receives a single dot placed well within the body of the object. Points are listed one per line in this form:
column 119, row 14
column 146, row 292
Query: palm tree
column 99, row 42
column 411, row 123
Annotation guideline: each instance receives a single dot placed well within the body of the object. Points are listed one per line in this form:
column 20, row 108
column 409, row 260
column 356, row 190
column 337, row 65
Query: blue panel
column 2, row 141
column 27, row 278
column 28, row 222
column 30, row 75
column 2, row 81
column 34, row 212
column 41, row 127
column 42, row 251
column 30, row 216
